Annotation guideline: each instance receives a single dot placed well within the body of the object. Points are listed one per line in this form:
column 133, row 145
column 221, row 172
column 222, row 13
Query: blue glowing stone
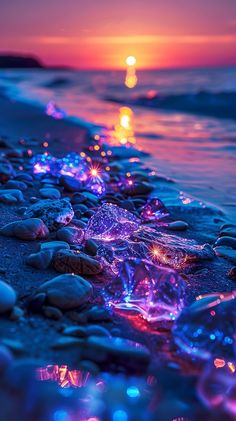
column 207, row 327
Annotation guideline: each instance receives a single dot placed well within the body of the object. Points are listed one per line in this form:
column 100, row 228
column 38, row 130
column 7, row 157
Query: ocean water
column 197, row 151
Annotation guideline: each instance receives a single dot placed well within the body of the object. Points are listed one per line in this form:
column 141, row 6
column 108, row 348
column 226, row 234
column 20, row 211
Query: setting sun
column 131, row 61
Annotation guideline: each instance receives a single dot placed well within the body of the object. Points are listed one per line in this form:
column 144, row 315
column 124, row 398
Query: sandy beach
column 34, row 328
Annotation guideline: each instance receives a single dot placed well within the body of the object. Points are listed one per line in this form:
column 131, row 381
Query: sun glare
column 131, row 61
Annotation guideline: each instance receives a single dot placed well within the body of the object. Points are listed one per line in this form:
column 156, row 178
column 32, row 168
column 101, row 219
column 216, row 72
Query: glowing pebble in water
column 111, row 222
column 154, row 210
column 153, row 291
column 54, row 111
column 207, row 327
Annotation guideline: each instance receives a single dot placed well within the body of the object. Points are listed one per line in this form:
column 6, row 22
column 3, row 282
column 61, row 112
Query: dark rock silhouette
column 19, row 61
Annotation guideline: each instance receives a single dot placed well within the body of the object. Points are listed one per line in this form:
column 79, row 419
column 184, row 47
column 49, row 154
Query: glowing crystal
column 111, row 222
column 74, row 165
column 154, row 210
column 155, row 292
column 207, row 327
column 96, row 185
column 45, row 164
column 171, row 250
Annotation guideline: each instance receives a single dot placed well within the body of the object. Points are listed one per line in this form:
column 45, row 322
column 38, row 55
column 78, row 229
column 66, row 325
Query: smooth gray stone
column 226, row 241
column 7, row 297
column 67, row 291
column 49, row 193
column 29, row 229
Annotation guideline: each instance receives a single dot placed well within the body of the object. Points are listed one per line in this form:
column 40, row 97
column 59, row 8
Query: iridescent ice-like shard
column 111, row 222
column 153, row 291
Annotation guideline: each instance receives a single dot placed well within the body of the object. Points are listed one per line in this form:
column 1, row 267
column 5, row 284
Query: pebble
column 66, row 261
column 35, row 302
column 7, row 297
column 80, row 207
column 226, row 241
column 91, row 247
column 40, row 260
column 75, row 331
column 23, row 176
column 6, row 358
column 226, row 252
column 52, row 312
column 91, row 198
column 96, row 330
column 6, row 171
column 79, row 223
column 8, row 199
column 67, row 342
column 71, row 235
column 70, row 184
column 16, row 313
column 137, row 189
column 49, row 193
column 118, row 350
column 177, row 226
column 15, row 193
column 54, row 245
column 67, row 291
column 15, row 346
column 232, row 273
column 29, row 229
column 229, row 232
column 15, row 184
column 78, row 198
column 96, row 314
column 54, row 213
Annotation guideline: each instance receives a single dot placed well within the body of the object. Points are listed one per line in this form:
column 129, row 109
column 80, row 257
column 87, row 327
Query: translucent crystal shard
column 171, row 250
column 154, row 210
column 111, row 222
column 208, row 326
column 153, row 291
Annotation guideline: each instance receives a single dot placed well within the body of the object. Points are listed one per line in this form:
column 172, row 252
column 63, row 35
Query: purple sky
column 101, row 33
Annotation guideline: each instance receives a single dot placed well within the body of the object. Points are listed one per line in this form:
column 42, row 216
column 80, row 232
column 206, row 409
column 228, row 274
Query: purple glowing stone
column 111, row 222
column 153, row 291
column 45, row 164
column 207, row 327
column 75, row 166
column 154, row 210
column 54, row 111
column 96, row 185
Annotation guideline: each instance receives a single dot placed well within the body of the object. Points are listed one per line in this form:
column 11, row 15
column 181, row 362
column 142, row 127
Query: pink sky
column 101, row 33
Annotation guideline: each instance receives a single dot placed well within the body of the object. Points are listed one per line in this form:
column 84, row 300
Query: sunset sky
column 101, row 33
